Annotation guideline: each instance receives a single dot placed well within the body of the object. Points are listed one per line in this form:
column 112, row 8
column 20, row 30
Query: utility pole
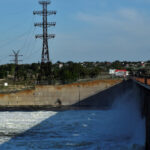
column 16, row 62
column 45, row 24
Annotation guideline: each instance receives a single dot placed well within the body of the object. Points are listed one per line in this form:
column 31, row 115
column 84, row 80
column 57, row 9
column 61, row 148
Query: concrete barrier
column 145, row 103
column 53, row 96
column 104, row 99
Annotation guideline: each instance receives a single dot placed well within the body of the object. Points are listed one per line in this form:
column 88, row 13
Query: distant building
column 142, row 64
column 119, row 73
column 127, row 65
column 61, row 65
column 112, row 71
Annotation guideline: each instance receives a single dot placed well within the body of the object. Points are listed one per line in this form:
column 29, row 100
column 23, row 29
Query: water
column 120, row 128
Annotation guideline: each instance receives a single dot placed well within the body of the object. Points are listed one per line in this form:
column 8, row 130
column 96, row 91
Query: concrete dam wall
column 106, row 98
column 130, row 97
column 64, row 95
column 144, row 95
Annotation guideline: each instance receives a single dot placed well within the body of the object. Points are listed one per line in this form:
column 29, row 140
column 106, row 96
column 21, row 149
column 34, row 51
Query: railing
column 145, row 80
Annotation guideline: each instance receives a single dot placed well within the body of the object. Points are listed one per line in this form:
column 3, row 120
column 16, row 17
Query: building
column 119, row 73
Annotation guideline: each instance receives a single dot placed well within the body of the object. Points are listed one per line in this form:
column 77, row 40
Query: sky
column 86, row 30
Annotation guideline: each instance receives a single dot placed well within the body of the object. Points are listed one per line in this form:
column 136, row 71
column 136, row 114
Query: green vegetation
column 58, row 72
column 61, row 72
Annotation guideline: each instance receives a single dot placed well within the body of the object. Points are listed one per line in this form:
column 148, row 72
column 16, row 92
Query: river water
column 119, row 128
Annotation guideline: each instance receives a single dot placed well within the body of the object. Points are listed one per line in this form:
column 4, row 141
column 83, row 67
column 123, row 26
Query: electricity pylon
column 45, row 24
column 16, row 62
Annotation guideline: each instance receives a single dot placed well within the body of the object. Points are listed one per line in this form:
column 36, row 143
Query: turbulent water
column 120, row 128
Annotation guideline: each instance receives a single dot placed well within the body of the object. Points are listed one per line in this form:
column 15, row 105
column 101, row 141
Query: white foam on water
column 12, row 123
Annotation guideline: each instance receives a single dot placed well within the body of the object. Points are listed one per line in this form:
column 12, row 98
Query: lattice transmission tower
column 45, row 25
column 16, row 57
column 16, row 62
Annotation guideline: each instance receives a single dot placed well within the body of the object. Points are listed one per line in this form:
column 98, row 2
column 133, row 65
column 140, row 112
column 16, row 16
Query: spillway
column 118, row 123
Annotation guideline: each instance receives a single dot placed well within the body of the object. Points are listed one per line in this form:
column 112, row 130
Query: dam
column 113, row 115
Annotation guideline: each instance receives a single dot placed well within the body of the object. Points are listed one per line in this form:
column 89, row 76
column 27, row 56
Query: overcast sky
column 86, row 30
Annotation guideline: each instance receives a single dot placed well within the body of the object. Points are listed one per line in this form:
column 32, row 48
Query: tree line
column 66, row 72
column 62, row 72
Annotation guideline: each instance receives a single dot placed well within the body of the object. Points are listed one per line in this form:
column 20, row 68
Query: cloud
column 129, row 14
column 123, row 20
column 124, row 32
column 116, row 17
